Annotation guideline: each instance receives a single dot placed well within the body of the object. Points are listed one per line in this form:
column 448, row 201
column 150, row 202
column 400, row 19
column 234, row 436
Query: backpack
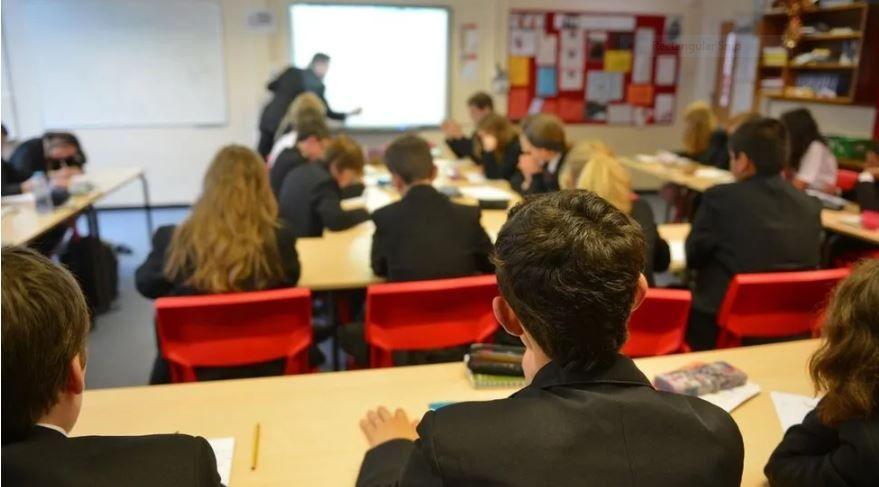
column 96, row 268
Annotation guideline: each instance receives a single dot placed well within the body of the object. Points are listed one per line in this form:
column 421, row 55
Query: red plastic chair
column 227, row 330
column 659, row 325
column 425, row 315
column 773, row 305
column 846, row 179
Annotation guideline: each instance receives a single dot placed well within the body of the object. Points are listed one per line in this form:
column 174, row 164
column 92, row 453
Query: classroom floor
column 122, row 345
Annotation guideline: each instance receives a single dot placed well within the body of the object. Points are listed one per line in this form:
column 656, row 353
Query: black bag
column 95, row 266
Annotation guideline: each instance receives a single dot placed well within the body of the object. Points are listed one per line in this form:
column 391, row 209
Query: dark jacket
column 48, row 458
column 30, row 157
column 545, row 182
column 571, row 427
column 762, row 224
column 310, row 200
column 286, row 161
column 12, row 179
column 658, row 253
column 868, row 195
column 813, row 454
column 717, row 153
column 285, row 88
column 462, row 146
column 501, row 165
column 426, row 236
column 152, row 283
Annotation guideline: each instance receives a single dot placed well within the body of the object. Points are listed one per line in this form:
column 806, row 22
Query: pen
column 255, row 456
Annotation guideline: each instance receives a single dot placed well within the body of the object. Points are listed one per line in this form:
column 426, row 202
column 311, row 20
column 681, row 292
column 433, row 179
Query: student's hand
column 529, row 166
column 381, row 426
column 451, row 129
column 356, row 111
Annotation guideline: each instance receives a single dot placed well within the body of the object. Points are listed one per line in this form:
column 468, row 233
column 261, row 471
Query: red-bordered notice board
column 601, row 68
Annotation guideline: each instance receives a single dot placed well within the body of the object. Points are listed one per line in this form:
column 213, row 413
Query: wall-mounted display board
column 601, row 68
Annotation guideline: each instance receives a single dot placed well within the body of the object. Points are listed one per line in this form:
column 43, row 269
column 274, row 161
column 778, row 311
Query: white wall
column 176, row 158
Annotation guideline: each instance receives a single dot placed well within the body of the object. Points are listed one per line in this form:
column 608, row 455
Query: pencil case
column 700, row 378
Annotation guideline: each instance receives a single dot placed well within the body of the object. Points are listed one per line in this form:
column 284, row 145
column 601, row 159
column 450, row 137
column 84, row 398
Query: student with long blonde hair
column 232, row 241
column 703, row 141
column 606, row 177
column 838, row 442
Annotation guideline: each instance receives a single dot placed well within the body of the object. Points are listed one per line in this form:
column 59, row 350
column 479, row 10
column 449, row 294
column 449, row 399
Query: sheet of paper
column 23, row 199
column 523, row 42
column 618, row 61
column 666, row 69
column 546, row 82
column 520, row 71
column 224, row 448
column 643, row 63
column 714, row 173
column 640, row 95
column 619, row 114
column 547, row 47
column 573, row 43
column 678, row 252
column 485, row 193
column 571, row 79
column 536, row 106
column 663, row 108
column 792, row 408
column 602, row 86
column 730, row 399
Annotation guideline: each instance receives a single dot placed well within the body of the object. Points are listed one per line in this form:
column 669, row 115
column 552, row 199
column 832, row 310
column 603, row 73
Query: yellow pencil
column 255, row 456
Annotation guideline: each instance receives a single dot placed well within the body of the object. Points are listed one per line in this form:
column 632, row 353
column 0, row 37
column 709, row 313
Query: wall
column 176, row 158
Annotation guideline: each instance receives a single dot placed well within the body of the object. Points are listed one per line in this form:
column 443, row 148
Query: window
column 391, row 61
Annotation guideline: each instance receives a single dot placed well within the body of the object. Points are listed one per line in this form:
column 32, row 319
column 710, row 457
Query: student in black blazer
column 588, row 415
column 58, row 154
column 45, row 328
column 498, row 148
column 425, row 235
column 479, row 106
column 311, row 195
column 232, row 242
column 838, row 443
column 760, row 223
column 312, row 139
column 544, row 150
column 867, row 189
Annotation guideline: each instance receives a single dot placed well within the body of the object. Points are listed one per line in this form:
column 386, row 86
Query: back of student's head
column 310, row 125
column 576, row 160
column 606, row 177
column 545, row 131
column 481, row 100
column 344, row 153
column 568, row 263
column 699, row 123
column 229, row 241
column 846, row 364
column 409, row 158
column 45, row 323
column 500, row 128
column 764, row 141
column 305, row 106
column 802, row 130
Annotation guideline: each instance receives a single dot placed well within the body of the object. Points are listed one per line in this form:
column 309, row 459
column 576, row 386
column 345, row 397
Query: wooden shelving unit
column 858, row 81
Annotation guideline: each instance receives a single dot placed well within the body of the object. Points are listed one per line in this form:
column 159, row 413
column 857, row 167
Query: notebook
column 223, row 448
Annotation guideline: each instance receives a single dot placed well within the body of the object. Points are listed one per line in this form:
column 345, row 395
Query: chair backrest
column 424, row 315
column 659, row 325
column 846, row 179
column 234, row 329
column 776, row 304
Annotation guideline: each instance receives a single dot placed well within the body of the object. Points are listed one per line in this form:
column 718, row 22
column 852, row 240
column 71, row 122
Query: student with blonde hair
column 703, row 141
column 606, row 177
column 577, row 158
column 233, row 241
column 837, row 444
column 306, row 105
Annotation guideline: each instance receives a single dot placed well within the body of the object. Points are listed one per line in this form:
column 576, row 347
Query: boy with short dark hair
column 45, row 325
column 312, row 139
column 425, row 235
column 760, row 223
column 569, row 271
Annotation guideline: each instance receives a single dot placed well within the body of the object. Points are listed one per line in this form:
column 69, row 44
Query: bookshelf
column 851, row 28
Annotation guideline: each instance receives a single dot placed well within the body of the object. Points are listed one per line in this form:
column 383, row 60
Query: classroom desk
column 839, row 221
column 22, row 224
column 309, row 423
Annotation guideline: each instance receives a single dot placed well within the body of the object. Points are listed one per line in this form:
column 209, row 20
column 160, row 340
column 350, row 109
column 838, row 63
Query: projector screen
column 390, row 61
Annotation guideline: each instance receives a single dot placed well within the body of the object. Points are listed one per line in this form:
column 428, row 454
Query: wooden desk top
column 23, row 223
column 697, row 177
column 310, row 434
column 848, row 223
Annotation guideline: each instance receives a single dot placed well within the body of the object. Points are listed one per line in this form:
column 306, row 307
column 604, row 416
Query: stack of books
column 490, row 365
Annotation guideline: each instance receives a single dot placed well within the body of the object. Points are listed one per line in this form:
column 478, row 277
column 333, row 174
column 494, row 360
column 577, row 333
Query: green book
column 487, row 381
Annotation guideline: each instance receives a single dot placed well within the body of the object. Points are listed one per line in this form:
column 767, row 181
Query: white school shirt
column 818, row 168
column 285, row 141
